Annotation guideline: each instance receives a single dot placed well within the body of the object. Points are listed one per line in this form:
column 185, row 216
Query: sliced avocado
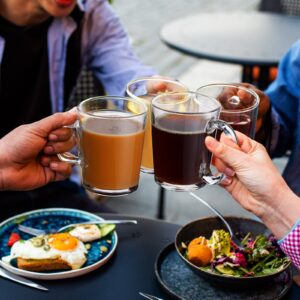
column 224, row 269
column 106, row 229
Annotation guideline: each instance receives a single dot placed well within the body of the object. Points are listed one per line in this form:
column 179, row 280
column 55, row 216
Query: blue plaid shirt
column 284, row 94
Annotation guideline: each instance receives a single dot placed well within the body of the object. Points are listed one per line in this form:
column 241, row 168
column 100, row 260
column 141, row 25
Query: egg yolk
column 62, row 241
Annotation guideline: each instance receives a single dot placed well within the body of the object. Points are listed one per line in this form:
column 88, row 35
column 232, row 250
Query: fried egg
column 61, row 246
column 86, row 233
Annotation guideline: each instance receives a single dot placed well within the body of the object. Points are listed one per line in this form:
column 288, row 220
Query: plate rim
column 164, row 251
column 63, row 274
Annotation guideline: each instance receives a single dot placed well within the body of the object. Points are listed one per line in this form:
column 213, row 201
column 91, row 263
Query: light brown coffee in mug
column 112, row 153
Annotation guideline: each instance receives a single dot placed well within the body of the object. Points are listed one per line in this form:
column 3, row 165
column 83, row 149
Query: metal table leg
column 161, row 203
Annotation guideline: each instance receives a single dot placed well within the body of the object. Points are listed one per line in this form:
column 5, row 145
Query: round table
column 129, row 271
column 250, row 39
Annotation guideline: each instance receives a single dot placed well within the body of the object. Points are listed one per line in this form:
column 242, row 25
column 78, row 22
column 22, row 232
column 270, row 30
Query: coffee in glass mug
column 146, row 89
column 111, row 136
column 180, row 124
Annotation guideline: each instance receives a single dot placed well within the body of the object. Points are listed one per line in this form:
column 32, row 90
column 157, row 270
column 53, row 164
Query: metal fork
column 36, row 232
column 30, row 230
column 229, row 228
column 147, row 296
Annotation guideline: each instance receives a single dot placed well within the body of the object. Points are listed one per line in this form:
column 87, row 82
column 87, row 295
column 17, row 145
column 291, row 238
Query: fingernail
column 226, row 181
column 229, row 172
column 211, row 142
column 52, row 137
column 48, row 149
column 53, row 165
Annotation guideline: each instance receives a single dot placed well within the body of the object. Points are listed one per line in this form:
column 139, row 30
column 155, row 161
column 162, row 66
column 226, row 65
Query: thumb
column 55, row 121
column 230, row 156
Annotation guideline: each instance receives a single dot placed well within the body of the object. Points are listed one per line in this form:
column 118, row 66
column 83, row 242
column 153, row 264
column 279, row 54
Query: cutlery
column 147, row 296
column 231, row 232
column 36, row 232
column 16, row 278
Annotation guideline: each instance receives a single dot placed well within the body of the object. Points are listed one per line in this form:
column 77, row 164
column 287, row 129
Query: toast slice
column 40, row 265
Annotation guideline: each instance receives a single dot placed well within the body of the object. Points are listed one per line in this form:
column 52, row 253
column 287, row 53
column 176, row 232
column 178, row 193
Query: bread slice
column 40, row 265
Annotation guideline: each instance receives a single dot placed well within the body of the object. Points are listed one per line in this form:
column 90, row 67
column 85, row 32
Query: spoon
column 230, row 230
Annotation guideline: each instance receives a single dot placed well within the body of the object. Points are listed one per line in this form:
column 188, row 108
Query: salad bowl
column 240, row 277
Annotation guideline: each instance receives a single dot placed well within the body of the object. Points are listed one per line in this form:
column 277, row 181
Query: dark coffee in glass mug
column 180, row 124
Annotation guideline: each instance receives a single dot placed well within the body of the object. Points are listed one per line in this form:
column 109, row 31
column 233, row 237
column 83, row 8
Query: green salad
column 259, row 255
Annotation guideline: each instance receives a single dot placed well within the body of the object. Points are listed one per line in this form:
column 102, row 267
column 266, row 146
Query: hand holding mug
column 255, row 182
column 22, row 164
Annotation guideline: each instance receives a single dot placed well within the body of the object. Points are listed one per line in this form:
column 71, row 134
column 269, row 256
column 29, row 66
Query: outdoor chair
column 288, row 7
column 87, row 86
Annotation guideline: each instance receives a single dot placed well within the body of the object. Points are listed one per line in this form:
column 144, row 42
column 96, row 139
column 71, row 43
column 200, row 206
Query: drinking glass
column 239, row 105
column 146, row 89
column 180, row 123
column 110, row 133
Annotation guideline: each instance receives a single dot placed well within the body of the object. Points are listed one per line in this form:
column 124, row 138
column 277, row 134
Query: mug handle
column 211, row 126
column 69, row 157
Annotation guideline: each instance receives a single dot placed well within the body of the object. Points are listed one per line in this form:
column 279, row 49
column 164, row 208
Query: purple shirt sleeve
column 107, row 49
column 290, row 244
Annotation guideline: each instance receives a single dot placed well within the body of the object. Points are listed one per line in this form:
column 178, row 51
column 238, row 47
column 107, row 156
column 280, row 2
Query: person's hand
column 264, row 104
column 28, row 153
column 245, row 100
column 251, row 175
column 253, row 180
column 163, row 84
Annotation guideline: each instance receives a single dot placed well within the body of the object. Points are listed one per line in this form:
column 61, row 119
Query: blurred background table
column 129, row 271
column 249, row 39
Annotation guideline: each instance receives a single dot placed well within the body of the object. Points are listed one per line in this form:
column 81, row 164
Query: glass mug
column 239, row 105
column 110, row 133
column 146, row 89
column 180, row 123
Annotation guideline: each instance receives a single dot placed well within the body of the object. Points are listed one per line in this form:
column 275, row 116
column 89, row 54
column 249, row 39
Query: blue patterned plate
column 53, row 219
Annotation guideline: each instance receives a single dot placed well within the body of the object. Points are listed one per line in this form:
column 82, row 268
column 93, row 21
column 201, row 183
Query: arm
column 284, row 94
column 255, row 183
column 108, row 51
column 28, row 153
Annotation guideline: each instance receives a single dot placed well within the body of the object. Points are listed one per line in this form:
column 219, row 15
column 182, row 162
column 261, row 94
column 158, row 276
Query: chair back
column 288, row 7
column 87, row 86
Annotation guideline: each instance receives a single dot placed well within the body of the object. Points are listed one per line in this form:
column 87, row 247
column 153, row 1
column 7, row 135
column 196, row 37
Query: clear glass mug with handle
column 239, row 105
column 180, row 123
column 110, row 133
column 146, row 89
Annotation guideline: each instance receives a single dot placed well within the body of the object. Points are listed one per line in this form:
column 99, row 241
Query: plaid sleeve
column 290, row 244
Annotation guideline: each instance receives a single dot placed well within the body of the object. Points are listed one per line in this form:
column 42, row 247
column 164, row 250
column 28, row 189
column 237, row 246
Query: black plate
column 180, row 282
column 204, row 227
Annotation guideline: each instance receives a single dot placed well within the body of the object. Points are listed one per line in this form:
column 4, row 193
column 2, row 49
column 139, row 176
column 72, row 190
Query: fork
column 31, row 230
column 147, row 296
column 229, row 228
column 36, row 231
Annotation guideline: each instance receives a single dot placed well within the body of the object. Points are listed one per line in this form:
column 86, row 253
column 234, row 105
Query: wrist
column 281, row 211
